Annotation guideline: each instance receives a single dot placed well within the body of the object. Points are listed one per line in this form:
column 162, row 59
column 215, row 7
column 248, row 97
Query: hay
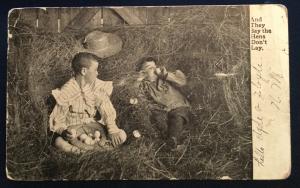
column 199, row 41
column 195, row 42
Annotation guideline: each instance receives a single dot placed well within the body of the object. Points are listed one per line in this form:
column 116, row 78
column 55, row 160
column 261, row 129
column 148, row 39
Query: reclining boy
column 161, row 87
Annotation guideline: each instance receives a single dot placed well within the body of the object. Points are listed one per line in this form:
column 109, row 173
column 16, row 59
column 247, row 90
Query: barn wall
column 148, row 15
column 48, row 18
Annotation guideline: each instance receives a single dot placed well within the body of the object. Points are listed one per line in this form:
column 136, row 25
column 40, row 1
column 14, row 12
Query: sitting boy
column 78, row 100
column 161, row 86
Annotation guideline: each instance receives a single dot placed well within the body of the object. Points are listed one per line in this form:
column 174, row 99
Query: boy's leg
column 177, row 119
column 158, row 120
column 64, row 146
column 175, row 126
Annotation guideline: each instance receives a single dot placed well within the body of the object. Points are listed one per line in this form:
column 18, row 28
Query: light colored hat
column 102, row 44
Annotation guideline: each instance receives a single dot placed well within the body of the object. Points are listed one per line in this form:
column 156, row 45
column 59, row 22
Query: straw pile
column 200, row 47
column 211, row 49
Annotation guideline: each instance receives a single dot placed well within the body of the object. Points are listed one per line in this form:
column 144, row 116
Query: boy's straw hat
column 102, row 44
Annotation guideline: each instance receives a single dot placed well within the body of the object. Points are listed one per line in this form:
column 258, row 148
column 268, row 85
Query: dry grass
column 200, row 42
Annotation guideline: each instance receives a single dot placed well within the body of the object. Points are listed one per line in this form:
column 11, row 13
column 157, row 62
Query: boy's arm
column 176, row 77
column 57, row 120
column 108, row 113
column 104, row 106
column 138, row 94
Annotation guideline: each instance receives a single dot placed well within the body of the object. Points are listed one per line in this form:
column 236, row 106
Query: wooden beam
column 128, row 16
column 81, row 19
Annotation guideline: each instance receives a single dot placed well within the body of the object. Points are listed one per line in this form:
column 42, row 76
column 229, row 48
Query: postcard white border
column 270, row 93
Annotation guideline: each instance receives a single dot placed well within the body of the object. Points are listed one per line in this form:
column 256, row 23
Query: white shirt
column 77, row 105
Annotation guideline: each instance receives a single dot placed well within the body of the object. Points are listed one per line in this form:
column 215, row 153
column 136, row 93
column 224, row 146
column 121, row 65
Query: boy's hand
column 118, row 138
column 67, row 134
column 157, row 71
column 161, row 72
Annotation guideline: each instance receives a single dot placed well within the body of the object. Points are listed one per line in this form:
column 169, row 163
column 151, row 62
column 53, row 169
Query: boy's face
column 149, row 70
column 91, row 73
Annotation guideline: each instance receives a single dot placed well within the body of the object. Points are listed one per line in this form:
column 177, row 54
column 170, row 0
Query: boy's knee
column 59, row 143
column 176, row 120
column 175, row 126
column 64, row 146
column 179, row 115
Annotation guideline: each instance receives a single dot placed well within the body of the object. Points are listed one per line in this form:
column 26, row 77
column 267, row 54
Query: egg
column 133, row 101
column 73, row 133
column 136, row 134
column 97, row 134
column 88, row 141
column 93, row 142
column 83, row 137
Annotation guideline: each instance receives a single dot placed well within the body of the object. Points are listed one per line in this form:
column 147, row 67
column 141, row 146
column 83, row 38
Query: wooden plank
column 110, row 18
column 67, row 15
column 47, row 20
column 128, row 15
column 81, row 19
column 155, row 15
column 27, row 16
column 95, row 22
column 53, row 17
column 141, row 13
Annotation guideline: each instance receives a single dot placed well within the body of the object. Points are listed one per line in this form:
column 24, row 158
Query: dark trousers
column 177, row 120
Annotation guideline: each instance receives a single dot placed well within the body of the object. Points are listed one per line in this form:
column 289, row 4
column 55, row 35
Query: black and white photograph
column 129, row 93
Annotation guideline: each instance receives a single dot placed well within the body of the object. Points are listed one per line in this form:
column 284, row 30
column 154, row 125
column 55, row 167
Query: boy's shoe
column 179, row 148
column 172, row 145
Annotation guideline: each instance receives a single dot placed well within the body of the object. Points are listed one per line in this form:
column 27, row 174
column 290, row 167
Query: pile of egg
column 89, row 139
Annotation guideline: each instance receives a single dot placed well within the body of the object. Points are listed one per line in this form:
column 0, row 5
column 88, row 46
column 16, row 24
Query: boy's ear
column 140, row 75
column 83, row 71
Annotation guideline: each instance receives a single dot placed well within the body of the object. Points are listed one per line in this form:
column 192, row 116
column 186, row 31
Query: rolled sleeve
column 177, row 77
column 108, row 112
column 57, row 120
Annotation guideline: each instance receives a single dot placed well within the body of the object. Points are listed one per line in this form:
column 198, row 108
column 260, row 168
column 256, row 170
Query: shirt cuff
column 60, row 130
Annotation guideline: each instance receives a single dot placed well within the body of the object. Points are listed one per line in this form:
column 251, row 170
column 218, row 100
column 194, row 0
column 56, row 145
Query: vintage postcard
column 148, row 93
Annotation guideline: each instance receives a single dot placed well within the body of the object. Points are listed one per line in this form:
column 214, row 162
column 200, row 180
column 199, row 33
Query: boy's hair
column 143, row 61
column 81, row 60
